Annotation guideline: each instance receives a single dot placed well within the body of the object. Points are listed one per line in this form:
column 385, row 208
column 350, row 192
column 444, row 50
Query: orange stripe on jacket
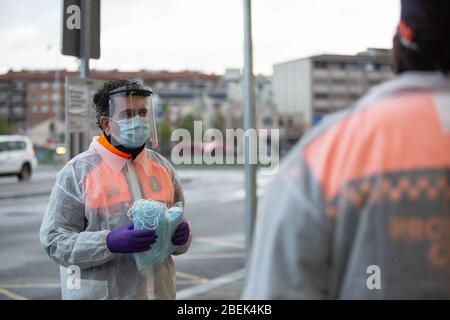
column 105, row 189
column 108, row 146
column 398, row 133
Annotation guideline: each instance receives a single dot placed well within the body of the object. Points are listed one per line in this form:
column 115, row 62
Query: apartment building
column 30, row 97
column 307, row 89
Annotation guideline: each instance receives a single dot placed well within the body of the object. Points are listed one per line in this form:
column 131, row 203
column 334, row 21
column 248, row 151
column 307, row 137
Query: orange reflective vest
column 105, row 189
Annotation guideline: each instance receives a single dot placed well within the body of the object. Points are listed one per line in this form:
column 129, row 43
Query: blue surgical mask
column 134, row 132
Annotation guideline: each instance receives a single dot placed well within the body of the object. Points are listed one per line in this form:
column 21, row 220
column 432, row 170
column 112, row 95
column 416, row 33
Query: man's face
column 127, row 107
column 124, row 107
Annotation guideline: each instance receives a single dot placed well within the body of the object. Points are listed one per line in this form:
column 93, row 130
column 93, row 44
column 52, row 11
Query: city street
column 214, row 206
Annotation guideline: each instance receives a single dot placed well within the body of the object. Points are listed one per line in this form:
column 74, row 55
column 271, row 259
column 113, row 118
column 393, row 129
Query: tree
column 164, row 130
column 4, row 129
column 187, row 122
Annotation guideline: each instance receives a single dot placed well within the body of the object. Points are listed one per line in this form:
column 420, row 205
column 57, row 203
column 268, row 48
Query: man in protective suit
column 86, row 229
column 361, row 206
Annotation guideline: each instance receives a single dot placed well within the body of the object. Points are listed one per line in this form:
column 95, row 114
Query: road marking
column 210, row 256
column 239, row 195
column 211, row 285
column 191, row 278
column 12, row 295
column 219, row 242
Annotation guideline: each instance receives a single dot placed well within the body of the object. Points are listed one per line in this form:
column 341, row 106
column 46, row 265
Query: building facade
column 307, row 89
column 28, row 98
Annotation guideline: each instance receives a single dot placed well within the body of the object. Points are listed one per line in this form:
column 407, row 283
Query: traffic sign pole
column 85, row 38
column 249, row 124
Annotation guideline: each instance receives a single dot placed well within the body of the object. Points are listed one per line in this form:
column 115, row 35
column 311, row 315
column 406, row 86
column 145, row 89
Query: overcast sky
column 204, row 35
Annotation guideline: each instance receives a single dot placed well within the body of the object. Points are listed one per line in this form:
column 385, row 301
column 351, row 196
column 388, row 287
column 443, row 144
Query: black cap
column 425, row 22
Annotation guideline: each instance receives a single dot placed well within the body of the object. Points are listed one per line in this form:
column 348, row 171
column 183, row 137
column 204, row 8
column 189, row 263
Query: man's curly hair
column 101, row 97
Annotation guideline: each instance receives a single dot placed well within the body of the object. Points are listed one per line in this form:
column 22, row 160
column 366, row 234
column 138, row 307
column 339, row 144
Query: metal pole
column 67, row 139
column 85, row 52
column 249, row 123
column 85, row 38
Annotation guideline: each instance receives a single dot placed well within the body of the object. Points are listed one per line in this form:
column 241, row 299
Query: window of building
column 160, row 85
column 33, row 85
column 45, row 108
column 17, row 99
column 34, row 108
column 44, row 85
column 18, row 110
column 208, row 85
column 337, row 65
column 267, row 121
column 184, row 86
column 320, row 65
column 34, row 97
column 290, row 122
column 356, row 82
column 4, row 85
column 19, row 85
column 353, row 66
column 321, row 95
column 55, row 97
column 339, row 81
column 44, row 96
column 369, row 67
column 321, row 81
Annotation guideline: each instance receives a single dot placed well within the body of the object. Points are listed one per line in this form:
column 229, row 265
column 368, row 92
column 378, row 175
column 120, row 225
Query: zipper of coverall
column 136, row 191
column 133, row 181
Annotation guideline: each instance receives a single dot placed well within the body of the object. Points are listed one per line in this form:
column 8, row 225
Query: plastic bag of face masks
column 154, row 215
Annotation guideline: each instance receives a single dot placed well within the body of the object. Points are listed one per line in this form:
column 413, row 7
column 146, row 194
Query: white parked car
column 17, row 157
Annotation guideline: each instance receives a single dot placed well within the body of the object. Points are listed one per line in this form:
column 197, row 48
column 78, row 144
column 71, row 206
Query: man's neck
column 133, row 152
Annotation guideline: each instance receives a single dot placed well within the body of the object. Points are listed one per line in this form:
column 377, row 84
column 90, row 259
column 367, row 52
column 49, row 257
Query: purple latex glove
column 181, row 235
column 125, row 239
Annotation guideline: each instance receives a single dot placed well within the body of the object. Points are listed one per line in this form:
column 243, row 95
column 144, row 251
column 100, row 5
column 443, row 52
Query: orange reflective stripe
column 104, row 189
column 158, row 185
column 399, row 133
column 105, row 143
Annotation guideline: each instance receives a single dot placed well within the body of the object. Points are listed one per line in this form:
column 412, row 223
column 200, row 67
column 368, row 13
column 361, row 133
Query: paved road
column 214, row 205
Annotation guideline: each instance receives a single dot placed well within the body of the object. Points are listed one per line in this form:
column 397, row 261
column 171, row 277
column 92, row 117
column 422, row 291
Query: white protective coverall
column 91, row 196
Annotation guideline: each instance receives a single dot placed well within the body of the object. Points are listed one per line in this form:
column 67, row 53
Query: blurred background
column 311, row 58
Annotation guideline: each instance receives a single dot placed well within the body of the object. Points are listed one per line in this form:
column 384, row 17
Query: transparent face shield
column 131, row 118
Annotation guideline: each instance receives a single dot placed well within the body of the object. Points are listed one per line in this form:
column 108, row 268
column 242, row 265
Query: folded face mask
column 154, row 215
